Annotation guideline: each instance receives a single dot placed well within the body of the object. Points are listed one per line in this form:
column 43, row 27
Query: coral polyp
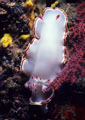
column 43, row 58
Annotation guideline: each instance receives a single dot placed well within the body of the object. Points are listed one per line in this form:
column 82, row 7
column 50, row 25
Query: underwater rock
column 10, row 19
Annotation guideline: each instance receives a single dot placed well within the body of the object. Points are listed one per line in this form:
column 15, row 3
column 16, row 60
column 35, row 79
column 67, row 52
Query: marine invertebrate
column 6, row 40
column 77, row 34
column 81, row 12
column 74, row 69
column 44, row 56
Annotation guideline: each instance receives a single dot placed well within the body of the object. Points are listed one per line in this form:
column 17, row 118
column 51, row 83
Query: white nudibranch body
column 45, row 55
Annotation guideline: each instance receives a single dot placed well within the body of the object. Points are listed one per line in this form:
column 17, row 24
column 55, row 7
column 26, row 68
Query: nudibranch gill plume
column 45, row 55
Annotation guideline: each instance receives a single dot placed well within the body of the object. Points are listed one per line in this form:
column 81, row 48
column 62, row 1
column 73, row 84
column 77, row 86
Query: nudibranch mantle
column 44, row 56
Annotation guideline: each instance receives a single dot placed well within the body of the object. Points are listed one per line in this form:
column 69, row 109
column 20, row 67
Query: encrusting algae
column 6, row 40
column 29, row 3
column 31, row 19
column 54, row 4
column 25, row 36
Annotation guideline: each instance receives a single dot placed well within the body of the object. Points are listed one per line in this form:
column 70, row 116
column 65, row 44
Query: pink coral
column 81, row 12
column 77, row 36
column 74, row 68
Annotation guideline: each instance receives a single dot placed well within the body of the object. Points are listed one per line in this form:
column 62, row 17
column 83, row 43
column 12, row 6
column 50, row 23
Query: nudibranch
column 45, row 55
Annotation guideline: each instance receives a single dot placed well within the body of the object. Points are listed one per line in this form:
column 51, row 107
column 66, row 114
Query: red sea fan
column 81, row 12
column 74, row 68
column 77, row 36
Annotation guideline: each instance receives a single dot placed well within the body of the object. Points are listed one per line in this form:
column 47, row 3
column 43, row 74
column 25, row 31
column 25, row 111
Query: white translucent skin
column 45, row 55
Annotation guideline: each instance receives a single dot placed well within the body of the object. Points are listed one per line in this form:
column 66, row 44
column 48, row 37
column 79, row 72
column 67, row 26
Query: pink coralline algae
column 44, row 57
column 74, row 69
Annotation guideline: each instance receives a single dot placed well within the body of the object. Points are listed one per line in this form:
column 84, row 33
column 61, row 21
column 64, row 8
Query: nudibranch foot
column 39, row 94
column 39, row 98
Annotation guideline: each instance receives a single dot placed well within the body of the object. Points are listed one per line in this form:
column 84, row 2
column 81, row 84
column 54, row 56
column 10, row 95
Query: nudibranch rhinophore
column 45, row 55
